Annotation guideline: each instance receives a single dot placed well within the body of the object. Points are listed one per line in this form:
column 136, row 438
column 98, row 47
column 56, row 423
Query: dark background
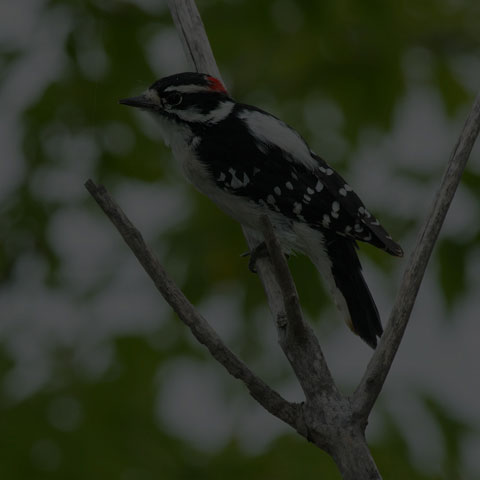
column 98, row 379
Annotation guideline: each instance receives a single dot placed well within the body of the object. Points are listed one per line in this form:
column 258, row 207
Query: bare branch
column 203, row 332
column 379, row 366
column 285, row 280
column 193, row 37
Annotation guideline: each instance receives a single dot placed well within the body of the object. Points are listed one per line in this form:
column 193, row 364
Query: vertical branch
column 193, row 36
column 379, row 366
column 297, row 338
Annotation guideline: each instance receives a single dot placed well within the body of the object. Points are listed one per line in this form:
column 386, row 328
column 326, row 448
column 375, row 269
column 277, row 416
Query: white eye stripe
column 222, row 111
column 188, row 88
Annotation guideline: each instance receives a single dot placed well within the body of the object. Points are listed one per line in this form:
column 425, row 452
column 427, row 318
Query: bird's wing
column 271, row 164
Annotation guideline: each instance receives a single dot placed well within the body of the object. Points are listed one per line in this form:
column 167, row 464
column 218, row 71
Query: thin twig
column 285, row 280
column 371, row 384
column 203, row 332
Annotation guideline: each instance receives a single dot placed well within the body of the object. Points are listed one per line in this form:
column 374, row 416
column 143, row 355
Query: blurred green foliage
column 284, row 53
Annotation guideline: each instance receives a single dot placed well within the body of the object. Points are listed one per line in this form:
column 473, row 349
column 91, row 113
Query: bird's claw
column 260, row 251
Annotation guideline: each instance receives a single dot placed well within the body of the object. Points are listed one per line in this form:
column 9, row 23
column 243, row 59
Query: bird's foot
column 260, row 251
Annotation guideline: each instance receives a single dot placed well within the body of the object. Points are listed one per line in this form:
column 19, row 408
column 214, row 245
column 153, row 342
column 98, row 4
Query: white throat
column 173, row 134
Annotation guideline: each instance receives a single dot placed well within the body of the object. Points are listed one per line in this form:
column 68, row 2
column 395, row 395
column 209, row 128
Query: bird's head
column 185, row 98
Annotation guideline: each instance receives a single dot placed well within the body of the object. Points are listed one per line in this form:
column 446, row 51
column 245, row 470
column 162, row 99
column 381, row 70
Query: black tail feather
column 347, row 273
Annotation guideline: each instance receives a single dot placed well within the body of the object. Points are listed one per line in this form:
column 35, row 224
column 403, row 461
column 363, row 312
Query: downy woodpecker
column 250, row 164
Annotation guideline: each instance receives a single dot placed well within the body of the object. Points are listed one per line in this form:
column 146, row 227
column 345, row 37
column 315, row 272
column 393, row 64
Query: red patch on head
column 216, row 85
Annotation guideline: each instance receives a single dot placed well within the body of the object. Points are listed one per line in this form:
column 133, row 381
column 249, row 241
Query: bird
column 250, row 164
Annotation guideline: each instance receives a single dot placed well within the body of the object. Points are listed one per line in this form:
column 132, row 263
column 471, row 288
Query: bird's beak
column 140, row 102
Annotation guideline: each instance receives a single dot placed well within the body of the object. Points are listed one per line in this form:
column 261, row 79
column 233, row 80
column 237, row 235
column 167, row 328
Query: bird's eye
column 173, row 99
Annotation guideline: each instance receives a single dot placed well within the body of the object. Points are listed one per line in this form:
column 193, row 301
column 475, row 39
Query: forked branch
column 297, row 339
column 203, row 332
column 332, row 421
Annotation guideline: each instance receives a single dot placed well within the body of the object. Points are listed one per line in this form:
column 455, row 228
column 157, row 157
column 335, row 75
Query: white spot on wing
column 335, row 209
column 222, row 111
column 310, row 191
column 297, row 208
column 326, row 221
column 289, row 185
column 319, row 186
column 221, row 177
column 277, row 191
column 236, row 182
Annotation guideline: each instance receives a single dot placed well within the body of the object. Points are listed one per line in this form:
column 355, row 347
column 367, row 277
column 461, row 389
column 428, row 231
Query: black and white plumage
column 250, row 163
